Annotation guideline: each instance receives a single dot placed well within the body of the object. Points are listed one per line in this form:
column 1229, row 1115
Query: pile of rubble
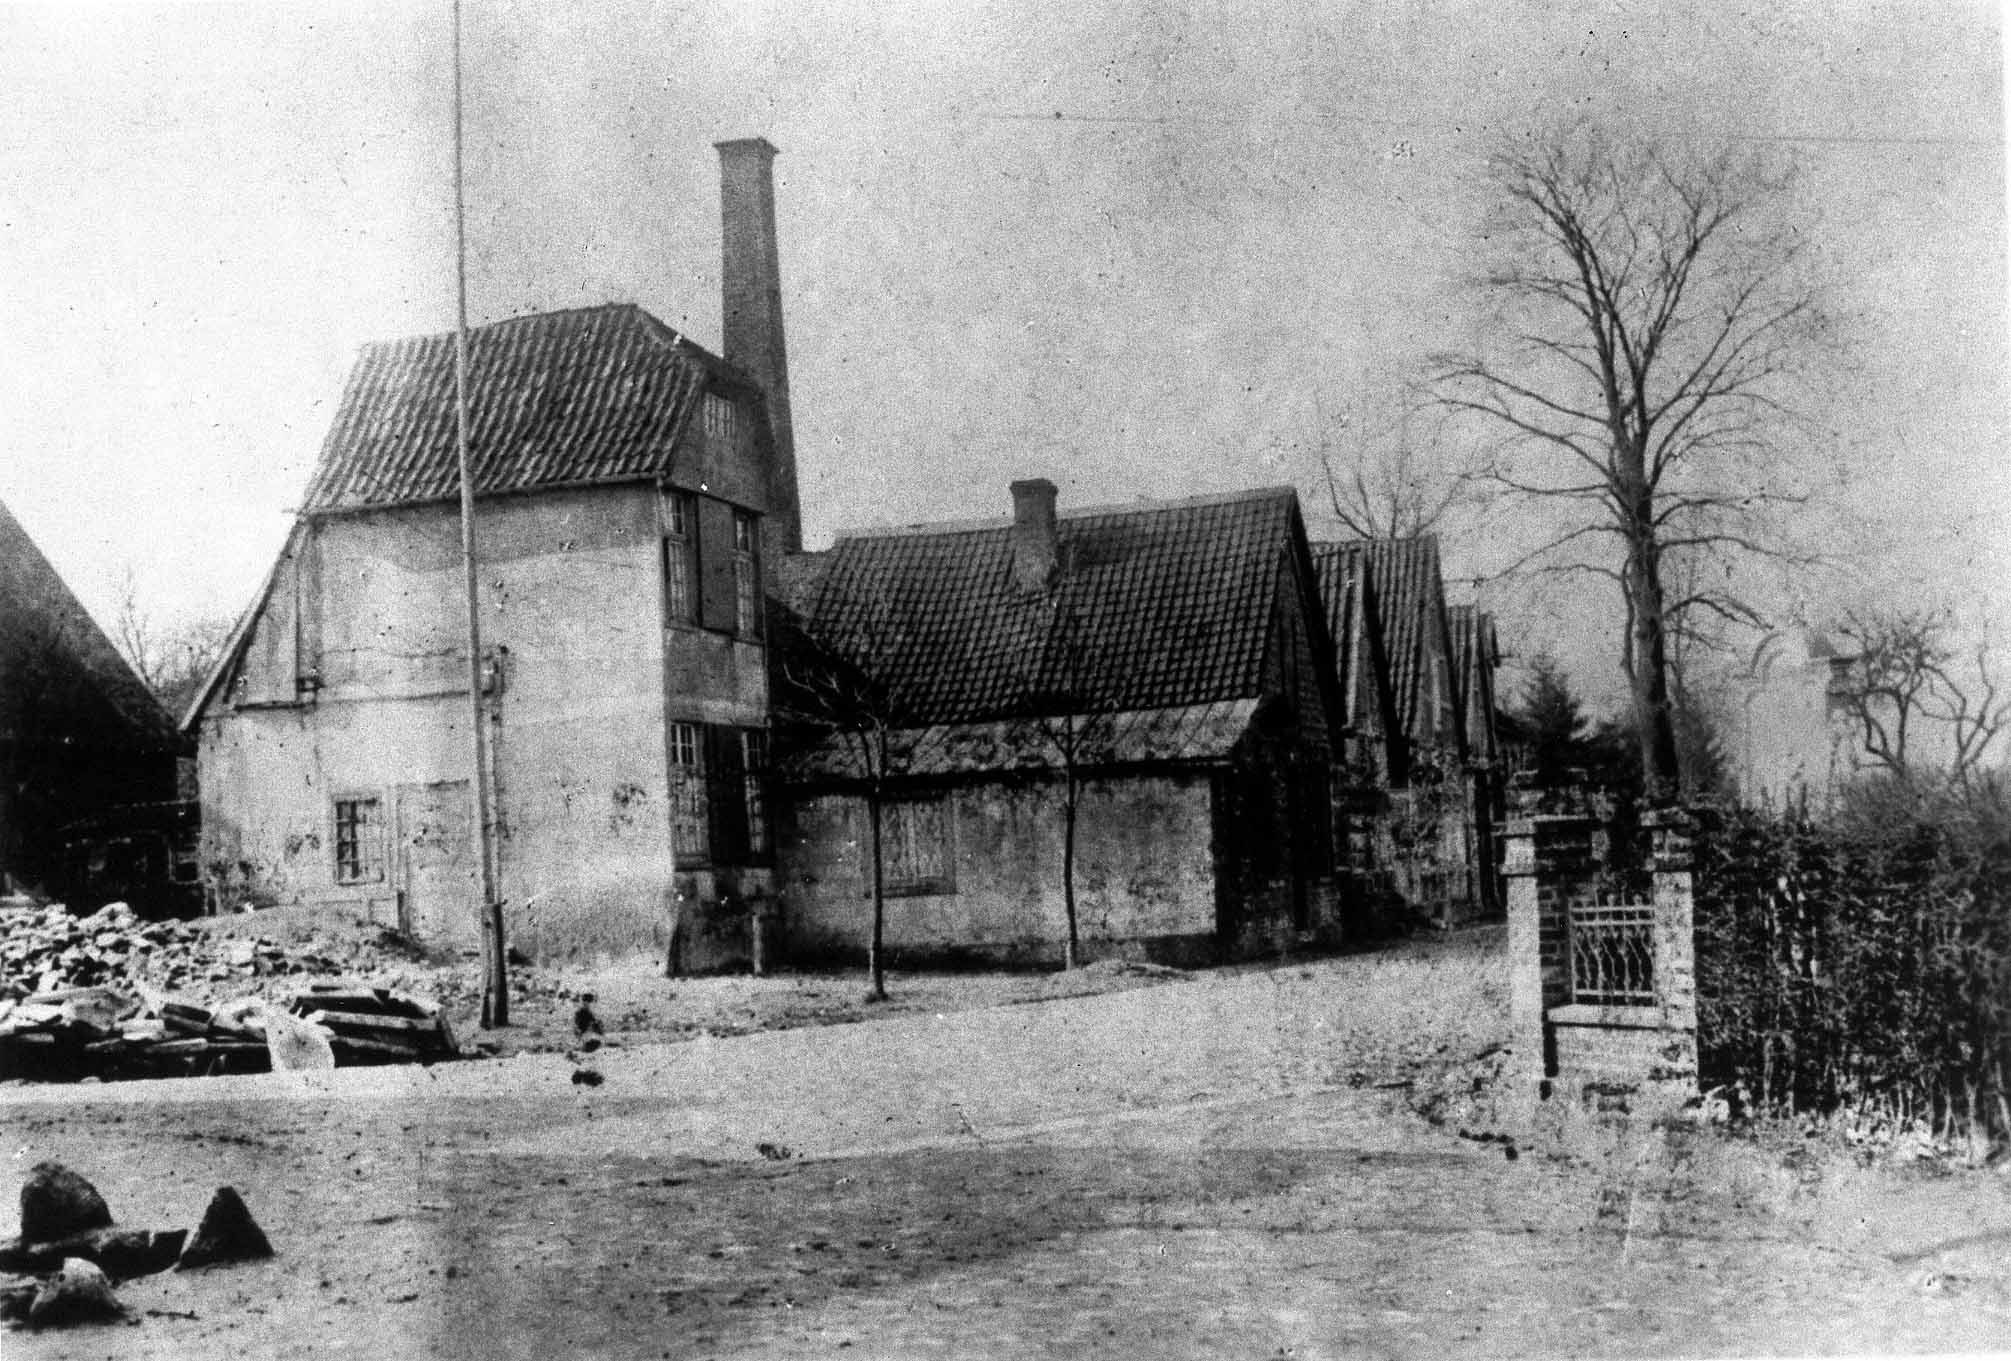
column 46, row 948
column 111, row 996
column 70, row 1254
column 80, row 1033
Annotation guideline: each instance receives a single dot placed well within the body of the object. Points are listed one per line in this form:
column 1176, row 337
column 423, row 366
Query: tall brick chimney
column 752, row 286
column 1033, row 535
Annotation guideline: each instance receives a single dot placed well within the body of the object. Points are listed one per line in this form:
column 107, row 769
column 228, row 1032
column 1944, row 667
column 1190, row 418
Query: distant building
column 84, row 746
column 1421, row 801
column 1172, row 653
column 1789, row 735
column 630, row 487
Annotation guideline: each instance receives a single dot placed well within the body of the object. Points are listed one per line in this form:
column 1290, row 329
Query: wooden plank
column 356, row 1044
column 340, row 1021
column 371, row 1002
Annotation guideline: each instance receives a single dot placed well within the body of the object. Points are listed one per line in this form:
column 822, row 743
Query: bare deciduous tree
column 1058, row 686
column 1380, row 484
column 1908, row 677
column 1386, row 496
column 173, row 658
column 829, row 686
column 1653, row 311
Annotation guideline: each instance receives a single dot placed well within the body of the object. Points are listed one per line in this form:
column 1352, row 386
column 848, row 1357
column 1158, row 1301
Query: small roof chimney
column 751, row 285
column 1033, row 534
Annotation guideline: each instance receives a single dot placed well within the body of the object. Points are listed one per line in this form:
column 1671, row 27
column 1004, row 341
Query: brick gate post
column 1673, row 834
column 1549, row 862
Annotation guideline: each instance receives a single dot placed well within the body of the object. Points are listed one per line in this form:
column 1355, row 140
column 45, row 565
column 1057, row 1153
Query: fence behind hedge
column 1862, row 965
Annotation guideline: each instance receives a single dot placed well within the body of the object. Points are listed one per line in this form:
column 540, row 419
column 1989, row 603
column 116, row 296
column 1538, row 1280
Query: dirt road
column 1200, row 1169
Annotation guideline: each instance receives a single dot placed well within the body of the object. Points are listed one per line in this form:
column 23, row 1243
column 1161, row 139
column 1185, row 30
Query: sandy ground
column 1227, row 1166
column 633, row 1000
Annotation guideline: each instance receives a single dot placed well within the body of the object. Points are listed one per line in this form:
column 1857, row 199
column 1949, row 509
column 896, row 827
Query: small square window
column 915, row 847
column 359, row 841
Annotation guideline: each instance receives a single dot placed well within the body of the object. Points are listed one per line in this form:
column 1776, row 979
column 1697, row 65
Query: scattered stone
column 227, row 1234
column 78, row 1293
column 128, row 1253
column 57, row 1203
column 122, row 1253
column 775, row 1153
column 1940, row 1283
column 297, row 1046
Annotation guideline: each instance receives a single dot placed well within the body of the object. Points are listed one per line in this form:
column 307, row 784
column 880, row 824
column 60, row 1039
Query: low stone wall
column 1621, row 1044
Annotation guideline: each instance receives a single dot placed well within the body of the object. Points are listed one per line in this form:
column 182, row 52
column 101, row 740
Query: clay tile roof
column 1341, row 577
column 1475, row 655
column 1169, row 606
column 1398, row 581
column 597, row 394
column 1192, row 732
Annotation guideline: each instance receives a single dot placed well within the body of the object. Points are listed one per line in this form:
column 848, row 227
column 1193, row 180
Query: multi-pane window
column 746, row 574
column 754, row 780
column 688, row 831
column 722, row 419
column 915, row 846
column 359, row 841
column 680, row 558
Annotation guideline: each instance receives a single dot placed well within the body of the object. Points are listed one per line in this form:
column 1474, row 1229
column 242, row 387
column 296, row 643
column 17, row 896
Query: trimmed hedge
column 1862, row 961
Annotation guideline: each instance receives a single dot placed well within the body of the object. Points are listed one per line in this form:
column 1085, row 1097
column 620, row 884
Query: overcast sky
column 1143, row 249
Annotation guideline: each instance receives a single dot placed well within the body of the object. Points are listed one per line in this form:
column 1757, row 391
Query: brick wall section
column 1625, row 1054
column 1672, row 842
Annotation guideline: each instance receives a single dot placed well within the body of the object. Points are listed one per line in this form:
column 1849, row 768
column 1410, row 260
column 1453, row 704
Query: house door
column 437, row 884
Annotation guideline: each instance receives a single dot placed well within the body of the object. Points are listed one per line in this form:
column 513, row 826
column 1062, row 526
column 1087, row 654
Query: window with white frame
column 688, row 830
column 754, row 777
column 746, row 573
column 915, row 852
column 359, row 841
column 680, row 557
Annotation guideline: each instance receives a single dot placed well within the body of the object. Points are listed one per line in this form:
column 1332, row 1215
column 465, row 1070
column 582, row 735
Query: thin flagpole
column 495, row 975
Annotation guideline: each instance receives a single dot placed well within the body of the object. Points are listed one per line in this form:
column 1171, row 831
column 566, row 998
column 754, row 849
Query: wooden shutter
column 718, row 608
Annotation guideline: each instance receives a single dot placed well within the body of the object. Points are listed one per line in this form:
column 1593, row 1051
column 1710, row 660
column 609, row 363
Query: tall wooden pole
column 496, row 965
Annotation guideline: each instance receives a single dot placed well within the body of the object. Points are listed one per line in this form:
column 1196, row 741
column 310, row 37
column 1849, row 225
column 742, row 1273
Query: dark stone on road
column 121, row 1253
column 57, row 1203
column 227, row 1234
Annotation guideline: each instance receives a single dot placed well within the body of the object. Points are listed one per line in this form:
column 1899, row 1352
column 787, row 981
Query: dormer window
column 722, row 419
